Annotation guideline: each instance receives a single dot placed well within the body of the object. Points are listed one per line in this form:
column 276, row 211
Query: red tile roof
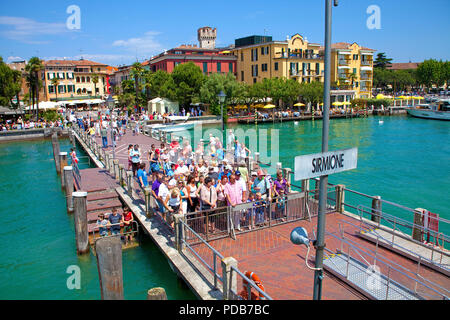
column 403, row 66
column 72, row 63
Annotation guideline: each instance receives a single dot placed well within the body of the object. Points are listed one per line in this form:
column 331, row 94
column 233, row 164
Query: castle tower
column 207, row 37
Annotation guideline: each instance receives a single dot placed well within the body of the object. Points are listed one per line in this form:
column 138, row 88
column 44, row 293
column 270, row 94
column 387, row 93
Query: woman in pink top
column 233, row 193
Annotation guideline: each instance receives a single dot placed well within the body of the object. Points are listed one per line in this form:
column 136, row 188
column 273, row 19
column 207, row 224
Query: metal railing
column 213, row 224
column 248, row 287
column 134, row 230
column 215, row 253
column 404, row 276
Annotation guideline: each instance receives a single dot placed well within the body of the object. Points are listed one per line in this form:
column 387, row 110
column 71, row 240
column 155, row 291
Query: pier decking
column 268, row 252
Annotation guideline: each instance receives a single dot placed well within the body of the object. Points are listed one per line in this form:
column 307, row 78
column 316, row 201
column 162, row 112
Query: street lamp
column 222, row 97
column 110, row 103
column 299, row 236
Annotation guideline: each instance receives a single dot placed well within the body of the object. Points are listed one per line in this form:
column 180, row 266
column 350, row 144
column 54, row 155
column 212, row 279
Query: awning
column 366, row 68
column 344, row 52
column 343, row 67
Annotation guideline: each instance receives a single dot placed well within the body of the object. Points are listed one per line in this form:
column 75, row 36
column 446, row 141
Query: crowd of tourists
column 21, row 124
column 187, row 181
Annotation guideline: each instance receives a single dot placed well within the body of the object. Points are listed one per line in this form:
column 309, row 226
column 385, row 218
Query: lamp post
column 222, row 97
column 320, row 244
column 110, row 103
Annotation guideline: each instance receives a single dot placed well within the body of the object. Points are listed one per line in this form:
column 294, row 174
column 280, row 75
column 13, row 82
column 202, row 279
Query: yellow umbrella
column 418, row 98
column 299, row 104
column 269, row 106
column 346, row 103
column 380, row 96
column 337, row 103
column 404, row 97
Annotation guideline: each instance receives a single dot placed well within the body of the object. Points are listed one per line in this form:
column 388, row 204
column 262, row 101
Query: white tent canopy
column 44, row 105
column 162, row 105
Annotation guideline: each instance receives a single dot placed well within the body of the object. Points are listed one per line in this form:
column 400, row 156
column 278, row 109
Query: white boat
column 171, row 127
column 436, row 111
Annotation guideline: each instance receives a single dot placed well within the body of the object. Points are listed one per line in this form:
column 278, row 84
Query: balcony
column 366, row 89
column 367, row 63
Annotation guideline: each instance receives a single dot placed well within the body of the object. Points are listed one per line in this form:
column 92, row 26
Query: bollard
column 156, row 294
column 417, row 231
column 121, row 179
column 111, row 165
column 80, row 216
column 116, row 169
column 109, row 264
column 287, row 175
column 130, row 182
column 62, row 164
column 340, row 198
column 148, row 207
column 179, row 232
column 106, row 160
column 228, row 278
column 56, row 151
column 376, row 209
column 68, row 178
column 305, row 189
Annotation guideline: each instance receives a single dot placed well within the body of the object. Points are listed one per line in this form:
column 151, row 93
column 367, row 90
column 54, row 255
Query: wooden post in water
column 376, row 209
column 80, row 216
column 417, row 231
column 148, row 207
column 340, row 198
column 228, row 280
column 56, row 151
column 156, row 294
column 62, row 164
column 116, row 169
column 109, row 264
column 68, row 178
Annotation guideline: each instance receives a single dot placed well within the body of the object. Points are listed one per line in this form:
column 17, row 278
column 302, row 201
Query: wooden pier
column 211, row 268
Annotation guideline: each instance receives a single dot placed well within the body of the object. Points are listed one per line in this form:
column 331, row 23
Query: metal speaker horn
column 299, row 236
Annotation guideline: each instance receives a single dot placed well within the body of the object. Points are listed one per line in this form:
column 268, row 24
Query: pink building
column 209, row 60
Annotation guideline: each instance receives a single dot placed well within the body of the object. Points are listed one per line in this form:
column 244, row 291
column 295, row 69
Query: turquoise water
column 38, row 237
column 404, row 160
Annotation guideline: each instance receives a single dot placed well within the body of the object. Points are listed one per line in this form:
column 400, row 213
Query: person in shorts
column 115, row 219
column 127, row 224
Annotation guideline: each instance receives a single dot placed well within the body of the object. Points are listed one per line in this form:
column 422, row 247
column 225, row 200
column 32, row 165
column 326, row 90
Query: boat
column 173, row 127
column 439, row 110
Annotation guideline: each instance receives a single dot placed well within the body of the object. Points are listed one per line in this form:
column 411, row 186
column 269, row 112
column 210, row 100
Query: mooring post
column 148, row 207
column 228, row 277
column 287, row 176
column 62, row 163
column 106, row 161
column 305, row 190
column 156, row 294
column 130, row 182
column 109, row 264
column 56, row 151
column 340, row 197
column 121, row 179
column 111, row 165
column 80, row 216
column 116, row 169
column 68, row 178
column 179, row 232
column 376, row 209
column 417, row 231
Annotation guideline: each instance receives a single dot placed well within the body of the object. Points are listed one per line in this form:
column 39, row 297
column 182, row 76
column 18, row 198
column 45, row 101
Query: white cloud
column 145, row 45
column 25, row 30
column 14, row 58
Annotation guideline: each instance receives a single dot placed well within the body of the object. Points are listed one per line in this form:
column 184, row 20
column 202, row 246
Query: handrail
column 96, row 228
column 250, row 282
column 367, row 251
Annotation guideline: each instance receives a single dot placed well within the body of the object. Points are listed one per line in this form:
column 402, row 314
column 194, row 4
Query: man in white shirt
column 243, row 184
column 163, row 193
column 182, row 168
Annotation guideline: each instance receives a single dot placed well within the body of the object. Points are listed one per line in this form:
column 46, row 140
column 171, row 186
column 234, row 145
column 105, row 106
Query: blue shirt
column 142, row 174
column 220, row 153
column 115, row 219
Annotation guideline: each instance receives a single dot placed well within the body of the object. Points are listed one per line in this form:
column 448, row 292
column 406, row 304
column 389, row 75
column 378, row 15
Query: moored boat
column 436, row 111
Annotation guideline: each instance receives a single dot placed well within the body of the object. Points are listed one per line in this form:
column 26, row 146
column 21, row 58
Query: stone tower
column 207, row 37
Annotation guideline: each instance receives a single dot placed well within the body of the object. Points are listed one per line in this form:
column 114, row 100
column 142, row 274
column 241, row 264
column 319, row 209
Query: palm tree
column 33, row 67
column 55, row 83
column 353, row 77
column 95, row 81
column 137, row 71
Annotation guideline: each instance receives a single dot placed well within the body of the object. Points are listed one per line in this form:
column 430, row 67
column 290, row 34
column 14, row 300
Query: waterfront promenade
column 268, row 251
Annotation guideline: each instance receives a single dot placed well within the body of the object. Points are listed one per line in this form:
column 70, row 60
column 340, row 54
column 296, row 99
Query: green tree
column 95, row 81
column 429, row 73
column 127, row 86
column 55, row 84
column 188, row 79
column 312, row 93
column 382, row 61
column 157, row 80
column 137, row 72
column 10, row 84
column 214, row 84
column 33, row 67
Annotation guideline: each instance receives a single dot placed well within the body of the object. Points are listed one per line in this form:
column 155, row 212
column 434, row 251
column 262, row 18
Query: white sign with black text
column 323, row 164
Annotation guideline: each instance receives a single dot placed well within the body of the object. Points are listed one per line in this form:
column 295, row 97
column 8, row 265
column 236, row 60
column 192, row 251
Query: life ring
column 257, row 281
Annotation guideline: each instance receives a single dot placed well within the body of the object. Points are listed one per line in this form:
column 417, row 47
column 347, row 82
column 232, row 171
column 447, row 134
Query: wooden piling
column 417, row 230
column 109, row 264
column 156, row 294
column 56, row 151
column 376, row 209
column 340, row 198
column 116, row 169
column 68, row 178
column 80, row 216
column 63, row 163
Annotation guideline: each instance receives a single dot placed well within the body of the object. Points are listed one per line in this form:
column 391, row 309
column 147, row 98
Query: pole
column 318, row 274
column 221, row 112
column 112, row 135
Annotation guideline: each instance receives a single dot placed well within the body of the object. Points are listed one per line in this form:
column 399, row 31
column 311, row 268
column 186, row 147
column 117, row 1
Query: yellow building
column 352, row 69
column 75, row 79
column 259, row 58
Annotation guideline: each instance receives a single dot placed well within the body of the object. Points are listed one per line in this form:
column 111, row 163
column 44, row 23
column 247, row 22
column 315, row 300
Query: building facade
column 75, row 79
column 259, row 58
column 209, row 60
column 352, row 68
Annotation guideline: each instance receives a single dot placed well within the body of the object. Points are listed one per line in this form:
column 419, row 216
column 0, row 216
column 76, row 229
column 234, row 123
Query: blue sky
column 118, row 32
